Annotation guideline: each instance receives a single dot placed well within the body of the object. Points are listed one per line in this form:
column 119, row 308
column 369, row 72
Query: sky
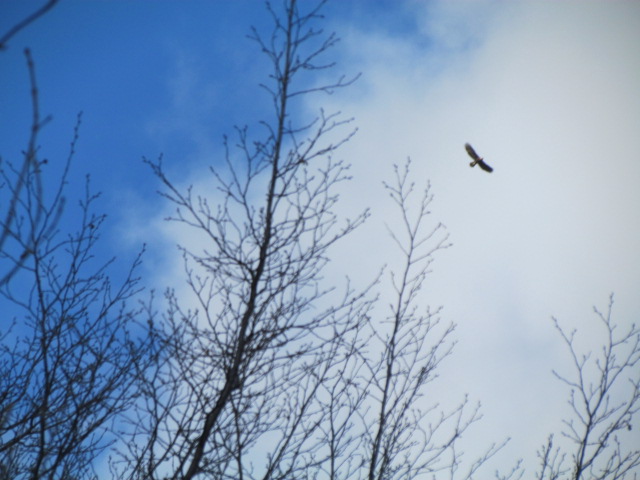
column 547, row 92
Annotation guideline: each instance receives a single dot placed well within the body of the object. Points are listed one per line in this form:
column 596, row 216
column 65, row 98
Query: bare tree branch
column 605, row 399
column 25, row 22
column 16, row 243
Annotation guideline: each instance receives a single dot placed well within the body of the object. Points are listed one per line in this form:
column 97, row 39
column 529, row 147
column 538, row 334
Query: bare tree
column 246, row 361
column 68, row 360
column 407, row 432
column 265, row 372
column 605, row 400
column 15, row 246
column 384, row 414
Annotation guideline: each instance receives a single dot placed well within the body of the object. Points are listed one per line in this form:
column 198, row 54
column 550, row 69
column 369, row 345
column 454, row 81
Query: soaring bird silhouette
column 477, row 159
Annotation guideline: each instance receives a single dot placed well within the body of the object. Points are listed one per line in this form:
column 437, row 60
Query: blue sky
column 546, row 91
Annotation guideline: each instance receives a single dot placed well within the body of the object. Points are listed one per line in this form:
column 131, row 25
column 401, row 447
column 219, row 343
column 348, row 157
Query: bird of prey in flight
column 477, row 159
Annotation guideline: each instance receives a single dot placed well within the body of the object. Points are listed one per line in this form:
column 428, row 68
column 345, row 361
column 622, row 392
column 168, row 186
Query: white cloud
column 548, row 93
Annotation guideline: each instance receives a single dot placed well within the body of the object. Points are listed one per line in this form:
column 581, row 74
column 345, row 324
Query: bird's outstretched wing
column 477, row 159
column 482, row 164
column 472, row 153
